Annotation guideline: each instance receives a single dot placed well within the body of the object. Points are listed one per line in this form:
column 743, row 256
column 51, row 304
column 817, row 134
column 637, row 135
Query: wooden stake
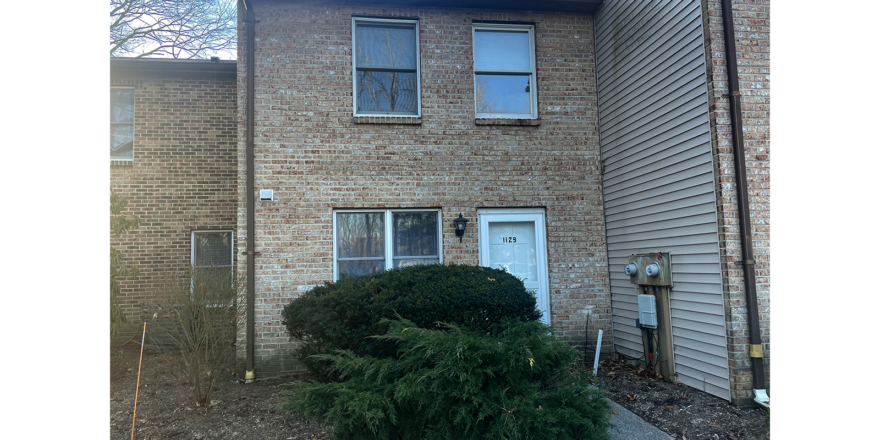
column 138, row 386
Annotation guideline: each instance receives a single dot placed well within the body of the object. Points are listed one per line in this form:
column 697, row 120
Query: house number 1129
column 508, row 239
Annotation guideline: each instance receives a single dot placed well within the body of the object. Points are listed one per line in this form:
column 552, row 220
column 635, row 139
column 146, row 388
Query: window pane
column 121, row 105
column 356, row 268
column 387, row 92
column 415, row 234
column 213, row 249
column 381, row 45
column 360, row 234
column 501, row 50
column 503, row 94
column 121, row 141
column 404, row 263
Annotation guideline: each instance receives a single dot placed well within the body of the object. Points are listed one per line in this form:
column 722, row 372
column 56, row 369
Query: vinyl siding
column 658, row 177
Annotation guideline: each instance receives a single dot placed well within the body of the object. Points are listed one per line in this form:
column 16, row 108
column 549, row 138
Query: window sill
column 505, row 121
column 402, row 120
column 121, row 163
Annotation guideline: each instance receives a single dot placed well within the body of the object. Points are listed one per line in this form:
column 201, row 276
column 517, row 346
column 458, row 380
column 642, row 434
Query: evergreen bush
column 343, row 315
column 518, row 383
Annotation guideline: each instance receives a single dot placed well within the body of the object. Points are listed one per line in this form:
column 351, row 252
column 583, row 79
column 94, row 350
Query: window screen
column 212, row 249
column 415, row 239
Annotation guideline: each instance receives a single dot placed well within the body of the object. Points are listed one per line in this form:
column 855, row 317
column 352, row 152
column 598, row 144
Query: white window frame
column 133, row 120
column 533, row 82
column 389, row 233
column 354, row 69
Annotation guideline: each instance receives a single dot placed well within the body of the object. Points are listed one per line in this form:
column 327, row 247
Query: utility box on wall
column 647, row 311
column 652, row 269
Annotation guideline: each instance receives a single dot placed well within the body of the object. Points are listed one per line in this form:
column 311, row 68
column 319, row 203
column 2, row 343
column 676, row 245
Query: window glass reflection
column 360, row 235
column 389, row 92
column 503, row 94
column 501, row 50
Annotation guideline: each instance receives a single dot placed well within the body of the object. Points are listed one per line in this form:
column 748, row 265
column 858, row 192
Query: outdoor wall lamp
column 460, row 226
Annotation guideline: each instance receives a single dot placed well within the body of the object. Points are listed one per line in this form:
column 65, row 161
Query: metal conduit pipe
column 756, row 349
column 250, row 23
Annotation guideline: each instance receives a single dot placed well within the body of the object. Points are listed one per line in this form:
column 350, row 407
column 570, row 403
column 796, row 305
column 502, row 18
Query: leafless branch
column 172, row 28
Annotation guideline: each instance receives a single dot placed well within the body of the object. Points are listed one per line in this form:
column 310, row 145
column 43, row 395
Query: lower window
column 212, row 249
column 371, row 241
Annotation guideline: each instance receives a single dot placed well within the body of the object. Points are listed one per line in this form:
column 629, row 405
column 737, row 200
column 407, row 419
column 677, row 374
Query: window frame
column 354, row 67
column 389, row 233
column 192, row 257
column 533, row 77
column 132, row 123
column 192, row 245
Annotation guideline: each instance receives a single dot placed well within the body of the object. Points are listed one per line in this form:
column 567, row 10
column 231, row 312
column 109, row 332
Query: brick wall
column 317, row 157
column 752, row 29
column 182, row 177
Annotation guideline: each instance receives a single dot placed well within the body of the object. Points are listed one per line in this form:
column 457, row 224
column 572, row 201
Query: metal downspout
column 249, row 192
column 756, row 349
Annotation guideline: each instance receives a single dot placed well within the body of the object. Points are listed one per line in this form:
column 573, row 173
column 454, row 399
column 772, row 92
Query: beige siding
column 658, row 179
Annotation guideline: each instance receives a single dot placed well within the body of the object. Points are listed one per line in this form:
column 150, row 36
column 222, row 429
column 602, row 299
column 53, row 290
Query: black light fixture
column 460, row 226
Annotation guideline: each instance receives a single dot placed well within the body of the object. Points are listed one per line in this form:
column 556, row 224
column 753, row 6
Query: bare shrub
column 196, row 320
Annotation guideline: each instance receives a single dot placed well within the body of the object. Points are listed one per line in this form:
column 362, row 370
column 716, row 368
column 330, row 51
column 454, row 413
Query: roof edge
column 577, row 6
column 170, row 66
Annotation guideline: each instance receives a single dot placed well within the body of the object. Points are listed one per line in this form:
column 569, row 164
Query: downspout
column 756, row 349
column 250, row 23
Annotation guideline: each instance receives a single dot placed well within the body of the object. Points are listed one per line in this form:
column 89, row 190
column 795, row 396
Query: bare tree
column 398, row 88
column 172, row 28
column 485, row 103
column 196, row 319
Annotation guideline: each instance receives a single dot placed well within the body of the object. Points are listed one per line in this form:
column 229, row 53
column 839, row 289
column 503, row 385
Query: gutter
column 756, row 349
column 250, row 23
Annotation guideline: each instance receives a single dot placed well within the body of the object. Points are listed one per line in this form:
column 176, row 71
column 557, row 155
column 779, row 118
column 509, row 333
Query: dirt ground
column 251, row 412
column 679, row 410
column 165, row 409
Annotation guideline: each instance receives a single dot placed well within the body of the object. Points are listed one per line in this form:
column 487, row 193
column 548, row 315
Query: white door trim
column 535, row 215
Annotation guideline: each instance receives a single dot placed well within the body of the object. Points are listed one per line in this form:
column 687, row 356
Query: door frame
column 536, row 215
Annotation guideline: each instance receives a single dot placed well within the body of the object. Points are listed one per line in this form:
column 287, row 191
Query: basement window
column 371, row 241
column 121, row 123
column 386, row 67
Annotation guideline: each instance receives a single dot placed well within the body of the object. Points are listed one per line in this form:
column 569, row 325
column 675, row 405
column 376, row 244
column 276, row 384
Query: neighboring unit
column 173, row 157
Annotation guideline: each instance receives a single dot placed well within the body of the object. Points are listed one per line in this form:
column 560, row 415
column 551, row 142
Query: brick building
column 173, row 157
column 588, row 130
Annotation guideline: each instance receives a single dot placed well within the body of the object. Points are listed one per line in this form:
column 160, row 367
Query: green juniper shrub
column 520, row 382
column 343, row 315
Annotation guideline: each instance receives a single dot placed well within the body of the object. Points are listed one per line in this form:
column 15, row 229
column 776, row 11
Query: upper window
column 386, row 67
column 121, row 124
column 504, row 71
column 368, row 242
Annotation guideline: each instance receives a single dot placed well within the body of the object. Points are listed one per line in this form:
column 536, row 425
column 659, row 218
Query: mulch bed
column 679, row 410
column 165, row 409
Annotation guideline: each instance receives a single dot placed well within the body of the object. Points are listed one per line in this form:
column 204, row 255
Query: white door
column 515, row 240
